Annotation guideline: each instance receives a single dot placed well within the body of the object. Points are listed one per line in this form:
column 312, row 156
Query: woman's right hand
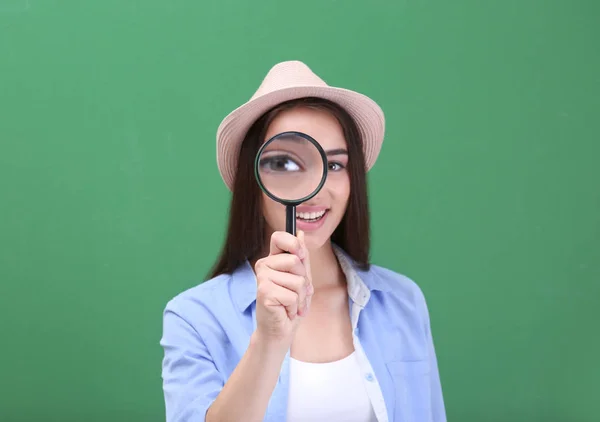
column 284, row 289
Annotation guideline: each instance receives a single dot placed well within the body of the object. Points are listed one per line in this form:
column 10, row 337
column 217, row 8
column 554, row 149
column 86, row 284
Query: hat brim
column 366, row 113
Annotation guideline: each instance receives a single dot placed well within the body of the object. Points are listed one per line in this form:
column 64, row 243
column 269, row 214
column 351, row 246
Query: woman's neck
column 325, row 269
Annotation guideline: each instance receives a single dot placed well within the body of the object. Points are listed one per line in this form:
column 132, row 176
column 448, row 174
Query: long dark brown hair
column 246, row 234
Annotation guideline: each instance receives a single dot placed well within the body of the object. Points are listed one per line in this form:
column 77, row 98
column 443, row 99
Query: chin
column 314, row 241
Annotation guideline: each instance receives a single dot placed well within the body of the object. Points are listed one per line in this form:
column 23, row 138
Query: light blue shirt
column 207, row 329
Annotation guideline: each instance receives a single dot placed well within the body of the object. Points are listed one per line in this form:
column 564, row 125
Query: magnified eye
column 279, row 163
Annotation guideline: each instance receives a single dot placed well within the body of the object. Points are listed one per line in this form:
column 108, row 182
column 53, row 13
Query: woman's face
column 319, row 216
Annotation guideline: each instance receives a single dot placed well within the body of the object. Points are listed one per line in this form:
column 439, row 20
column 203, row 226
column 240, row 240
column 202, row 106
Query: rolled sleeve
column 191, row 381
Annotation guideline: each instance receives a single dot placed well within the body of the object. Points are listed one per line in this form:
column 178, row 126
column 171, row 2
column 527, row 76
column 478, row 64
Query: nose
column 321, row 197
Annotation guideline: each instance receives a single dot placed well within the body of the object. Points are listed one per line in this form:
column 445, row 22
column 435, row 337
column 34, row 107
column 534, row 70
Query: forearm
column 246, row 394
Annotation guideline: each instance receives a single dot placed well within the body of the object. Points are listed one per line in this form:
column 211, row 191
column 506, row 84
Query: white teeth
column 310, row 215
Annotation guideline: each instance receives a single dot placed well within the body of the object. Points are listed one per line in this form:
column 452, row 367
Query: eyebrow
column 337, row 151
column 296, row 138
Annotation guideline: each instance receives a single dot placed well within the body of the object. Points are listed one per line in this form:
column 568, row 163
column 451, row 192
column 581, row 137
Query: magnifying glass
column 291, row 168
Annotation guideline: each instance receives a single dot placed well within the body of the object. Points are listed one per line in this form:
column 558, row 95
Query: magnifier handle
column 290, row 219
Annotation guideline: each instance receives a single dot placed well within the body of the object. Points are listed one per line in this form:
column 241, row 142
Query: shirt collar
column 360, row 282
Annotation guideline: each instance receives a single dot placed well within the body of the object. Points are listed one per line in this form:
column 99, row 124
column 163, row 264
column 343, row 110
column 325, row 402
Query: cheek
column 341, row 188
column 272, row 211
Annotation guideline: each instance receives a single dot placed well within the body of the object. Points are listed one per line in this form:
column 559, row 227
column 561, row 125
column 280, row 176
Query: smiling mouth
column 311, row 217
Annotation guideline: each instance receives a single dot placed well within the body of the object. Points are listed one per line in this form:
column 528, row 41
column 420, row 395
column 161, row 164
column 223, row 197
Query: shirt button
column 370, row 377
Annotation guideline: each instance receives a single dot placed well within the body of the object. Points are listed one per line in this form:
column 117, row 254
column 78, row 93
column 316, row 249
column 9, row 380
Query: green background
column 487, row 192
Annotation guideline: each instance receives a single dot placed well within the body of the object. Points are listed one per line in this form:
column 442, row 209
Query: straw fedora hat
column 292, row 80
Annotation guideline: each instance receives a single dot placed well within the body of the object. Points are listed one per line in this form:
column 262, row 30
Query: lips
column 310, row 216
column 311, row 213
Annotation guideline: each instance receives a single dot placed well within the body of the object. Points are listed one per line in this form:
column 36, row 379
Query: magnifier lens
column 290, row 167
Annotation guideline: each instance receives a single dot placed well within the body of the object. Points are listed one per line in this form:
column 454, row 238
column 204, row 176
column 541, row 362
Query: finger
column 306, row 260
column 280, row 296
column 309, row 285
column 285, row 242
column 286, row 263
column 297, row 284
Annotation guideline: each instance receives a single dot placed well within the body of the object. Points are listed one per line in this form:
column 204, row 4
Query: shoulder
column 401, row 296
column 203, row 307
column 201, row 295
column 397, row 284
column 215, row 301
column 200, row 317
column 378, row 278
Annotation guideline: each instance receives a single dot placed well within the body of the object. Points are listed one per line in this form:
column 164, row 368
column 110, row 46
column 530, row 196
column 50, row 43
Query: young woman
column 300, row 328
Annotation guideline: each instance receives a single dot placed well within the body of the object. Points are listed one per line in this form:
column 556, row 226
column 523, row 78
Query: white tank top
column 327, row 392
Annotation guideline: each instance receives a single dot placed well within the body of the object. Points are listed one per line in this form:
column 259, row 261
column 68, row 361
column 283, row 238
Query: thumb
column 306, row 259
column 300, row 235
